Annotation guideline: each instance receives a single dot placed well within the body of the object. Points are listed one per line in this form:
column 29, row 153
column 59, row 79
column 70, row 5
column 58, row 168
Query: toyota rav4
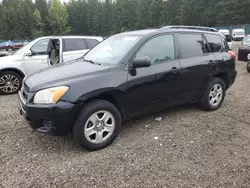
column 127, row 75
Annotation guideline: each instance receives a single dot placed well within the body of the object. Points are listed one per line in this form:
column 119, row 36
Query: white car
column 238, row 34
column 41, row 53
column 226, row 32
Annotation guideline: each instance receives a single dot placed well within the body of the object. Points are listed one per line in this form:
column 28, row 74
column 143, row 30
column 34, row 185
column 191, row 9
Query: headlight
column 50, row 95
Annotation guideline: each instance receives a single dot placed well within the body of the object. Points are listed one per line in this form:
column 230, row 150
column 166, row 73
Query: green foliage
column 38, row 28
column 27, row 18
column 58, row 17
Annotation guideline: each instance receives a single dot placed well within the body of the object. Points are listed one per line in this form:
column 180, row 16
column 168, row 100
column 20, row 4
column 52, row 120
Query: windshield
column 112, row 50
column 246, row 41
column 239, row 33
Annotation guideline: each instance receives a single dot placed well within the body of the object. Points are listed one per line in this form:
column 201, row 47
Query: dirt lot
column 194, row 149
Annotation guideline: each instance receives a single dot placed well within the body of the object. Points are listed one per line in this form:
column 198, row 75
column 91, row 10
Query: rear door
column 73, row 48
column 197, row 63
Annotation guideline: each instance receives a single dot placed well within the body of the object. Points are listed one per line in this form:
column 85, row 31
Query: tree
column 38, row 30
column 58, row 18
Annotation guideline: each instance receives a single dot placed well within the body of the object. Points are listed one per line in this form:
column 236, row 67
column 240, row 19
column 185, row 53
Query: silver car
column 41, row 53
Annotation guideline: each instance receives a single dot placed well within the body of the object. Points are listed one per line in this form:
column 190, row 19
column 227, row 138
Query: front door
column 153, row 87
column 38, row 58
column 197, row 64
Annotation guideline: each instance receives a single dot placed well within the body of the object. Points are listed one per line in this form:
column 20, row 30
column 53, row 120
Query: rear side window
column 192, row 45
column 91, row 43
column 214, row 42
column 74, row 44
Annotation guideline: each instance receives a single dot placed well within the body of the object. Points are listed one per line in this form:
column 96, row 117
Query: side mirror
column 28, row 53
column 141, row 62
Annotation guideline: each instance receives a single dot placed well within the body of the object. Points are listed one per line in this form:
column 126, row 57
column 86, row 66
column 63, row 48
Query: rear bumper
column 232, row 77
column 56, row 119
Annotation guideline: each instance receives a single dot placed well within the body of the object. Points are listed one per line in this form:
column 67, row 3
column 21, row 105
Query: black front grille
column 25, row 95
column 25, row 91
column 26, row 88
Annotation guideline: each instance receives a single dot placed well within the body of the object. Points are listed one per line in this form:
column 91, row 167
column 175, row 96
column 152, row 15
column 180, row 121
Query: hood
column 63, row 74
column 9, row 60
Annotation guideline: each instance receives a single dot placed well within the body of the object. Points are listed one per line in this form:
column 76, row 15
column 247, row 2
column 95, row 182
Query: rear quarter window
column 214, row 42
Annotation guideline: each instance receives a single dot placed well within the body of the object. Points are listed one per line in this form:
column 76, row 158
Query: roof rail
column 156, row 27
column 190, row 27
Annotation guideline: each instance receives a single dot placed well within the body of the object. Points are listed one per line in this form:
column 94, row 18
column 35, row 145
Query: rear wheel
column 10, row 82
column 97, row 125
column 214, row 94
column 248, row 67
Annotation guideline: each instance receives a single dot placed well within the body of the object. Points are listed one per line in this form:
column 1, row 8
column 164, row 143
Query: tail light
column 232, row 54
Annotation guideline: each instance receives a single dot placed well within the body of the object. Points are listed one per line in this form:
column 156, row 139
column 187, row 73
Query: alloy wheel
column 99, row 127
column 215, row 95
column 9, row 83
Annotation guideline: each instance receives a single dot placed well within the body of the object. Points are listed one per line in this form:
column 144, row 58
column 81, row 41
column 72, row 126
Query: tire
column 83, row 123
column 248, row 67
column 206, row 100
column 13, row 79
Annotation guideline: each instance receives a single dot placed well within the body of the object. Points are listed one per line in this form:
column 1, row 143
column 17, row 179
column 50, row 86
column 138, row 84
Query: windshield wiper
column 93, row 62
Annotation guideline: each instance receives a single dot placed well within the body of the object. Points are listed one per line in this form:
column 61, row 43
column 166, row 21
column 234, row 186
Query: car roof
column 145, row 32
column 73, row 36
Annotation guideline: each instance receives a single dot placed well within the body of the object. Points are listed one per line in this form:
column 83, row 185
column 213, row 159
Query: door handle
column 175, row 70
column 211, row 63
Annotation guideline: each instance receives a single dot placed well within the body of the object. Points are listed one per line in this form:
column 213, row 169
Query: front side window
column 41, row 47
column 112, row 50
column 214, row 42
column 74, row 45
column 159, row 49
column 192, row 45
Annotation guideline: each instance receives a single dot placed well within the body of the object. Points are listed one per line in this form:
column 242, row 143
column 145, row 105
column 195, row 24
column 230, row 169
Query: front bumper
column 237, row 38
column 56, row 119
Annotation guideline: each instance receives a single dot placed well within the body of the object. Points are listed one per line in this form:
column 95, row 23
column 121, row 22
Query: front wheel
column 214, row 95
column 10, row 82
column 97, row 125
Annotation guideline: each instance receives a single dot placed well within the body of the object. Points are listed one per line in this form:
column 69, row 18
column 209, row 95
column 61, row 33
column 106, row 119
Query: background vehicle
column 248, row 63
column 238, row 34
column 224, row 31
column 39, row 54
column 127, row 75
column 244, row 49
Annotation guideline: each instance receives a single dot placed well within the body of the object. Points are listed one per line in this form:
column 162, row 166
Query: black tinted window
column 74, row 44
column 214, row 42
column 91, row 43
column 192, row 45
column 158, row 49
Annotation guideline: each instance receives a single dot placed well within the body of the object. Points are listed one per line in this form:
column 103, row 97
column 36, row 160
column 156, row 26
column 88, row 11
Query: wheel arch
column 223, row 76
column 113, row 97
column 18, row 71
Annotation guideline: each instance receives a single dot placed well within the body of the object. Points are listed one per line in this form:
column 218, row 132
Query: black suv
column 127, row 75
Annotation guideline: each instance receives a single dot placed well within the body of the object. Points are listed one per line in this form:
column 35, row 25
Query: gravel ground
column 187, row 148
